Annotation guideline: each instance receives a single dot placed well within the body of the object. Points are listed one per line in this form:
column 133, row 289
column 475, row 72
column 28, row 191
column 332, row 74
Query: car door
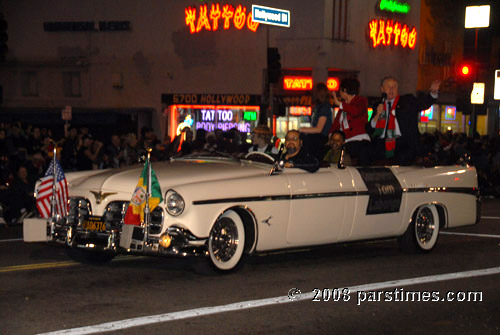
column 317, row 205
column 379, row 204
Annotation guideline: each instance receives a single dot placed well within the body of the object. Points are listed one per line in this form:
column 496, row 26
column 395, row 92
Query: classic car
column 224, row 209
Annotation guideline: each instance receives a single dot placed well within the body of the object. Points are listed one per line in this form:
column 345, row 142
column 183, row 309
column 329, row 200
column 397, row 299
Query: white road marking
column 152, row 319
column 470, row 234
column 11, row 240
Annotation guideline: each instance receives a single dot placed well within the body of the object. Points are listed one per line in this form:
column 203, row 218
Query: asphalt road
column 43, row 291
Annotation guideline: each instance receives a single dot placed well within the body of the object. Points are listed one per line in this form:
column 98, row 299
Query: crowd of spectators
column 449, row 148
column 26, row 151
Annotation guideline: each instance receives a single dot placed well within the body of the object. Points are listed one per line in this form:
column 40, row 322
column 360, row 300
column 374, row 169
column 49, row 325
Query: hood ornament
column 101, row 196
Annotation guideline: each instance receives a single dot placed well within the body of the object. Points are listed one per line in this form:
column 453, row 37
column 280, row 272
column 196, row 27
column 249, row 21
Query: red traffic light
column 465, row 70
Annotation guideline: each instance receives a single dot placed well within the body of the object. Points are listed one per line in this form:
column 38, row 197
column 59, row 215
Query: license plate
column 94, row 223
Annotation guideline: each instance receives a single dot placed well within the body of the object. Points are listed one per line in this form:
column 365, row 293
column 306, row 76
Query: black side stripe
column 464, row 190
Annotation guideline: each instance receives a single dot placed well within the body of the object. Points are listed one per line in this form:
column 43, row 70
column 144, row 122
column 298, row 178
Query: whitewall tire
column 226, row 242
column 423, row 231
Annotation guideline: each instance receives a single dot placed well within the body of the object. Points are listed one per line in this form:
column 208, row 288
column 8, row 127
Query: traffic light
column 462, row 95
column 465, row 71
column 3, row 38
column 279, row 106
column 273, row 65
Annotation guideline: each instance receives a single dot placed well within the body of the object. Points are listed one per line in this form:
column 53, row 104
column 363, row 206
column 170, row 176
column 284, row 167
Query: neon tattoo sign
column 387, row 32
column 218, row 17
column 333, row 84
column 212, row 119
column 299, row 83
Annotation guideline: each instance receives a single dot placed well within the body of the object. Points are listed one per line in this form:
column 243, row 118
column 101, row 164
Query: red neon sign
column 333, row 84
column 387, row 32
column 300, row 110
column 299, row 83
column 208, row 19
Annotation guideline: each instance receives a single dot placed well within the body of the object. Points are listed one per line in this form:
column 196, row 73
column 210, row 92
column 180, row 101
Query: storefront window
column 443, row 118
column 286, row 123
column 295, row 117
column 212, row 117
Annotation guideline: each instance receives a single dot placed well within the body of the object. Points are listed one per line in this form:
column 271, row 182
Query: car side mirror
column 465, row 160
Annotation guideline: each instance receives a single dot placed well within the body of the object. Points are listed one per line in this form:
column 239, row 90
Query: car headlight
column 174, row 203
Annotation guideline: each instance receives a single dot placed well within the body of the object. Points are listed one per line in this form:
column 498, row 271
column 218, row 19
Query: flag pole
column 53, row 211
column 147, row 212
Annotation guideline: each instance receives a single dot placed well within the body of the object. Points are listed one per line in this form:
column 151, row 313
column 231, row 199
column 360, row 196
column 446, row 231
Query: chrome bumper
column 182, row 242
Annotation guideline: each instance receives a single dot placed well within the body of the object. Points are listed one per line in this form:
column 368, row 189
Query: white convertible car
column 224, row 208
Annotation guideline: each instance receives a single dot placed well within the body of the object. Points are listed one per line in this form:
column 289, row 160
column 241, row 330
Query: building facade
column 119, row 65
column 445, row 47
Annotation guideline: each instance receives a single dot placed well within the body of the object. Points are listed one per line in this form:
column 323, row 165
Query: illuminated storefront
column 295, row 117
column 211, row 112
column 446, row 118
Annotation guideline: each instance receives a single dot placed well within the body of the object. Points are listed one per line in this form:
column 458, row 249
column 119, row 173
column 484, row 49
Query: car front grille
column 157, row 217
column 115, row 213
column 114, row 216
column 79, row 210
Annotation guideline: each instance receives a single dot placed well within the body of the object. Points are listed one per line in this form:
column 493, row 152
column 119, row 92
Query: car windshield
column 209, row 154
column 253, row 156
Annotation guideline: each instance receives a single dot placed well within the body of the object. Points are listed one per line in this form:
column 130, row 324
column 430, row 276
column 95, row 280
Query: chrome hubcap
column 224, row 239
column 425, row 225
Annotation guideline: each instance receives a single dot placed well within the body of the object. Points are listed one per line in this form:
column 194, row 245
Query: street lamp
column 476, row 17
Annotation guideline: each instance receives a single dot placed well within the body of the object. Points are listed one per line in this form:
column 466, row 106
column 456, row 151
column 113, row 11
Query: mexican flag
column 135, row 211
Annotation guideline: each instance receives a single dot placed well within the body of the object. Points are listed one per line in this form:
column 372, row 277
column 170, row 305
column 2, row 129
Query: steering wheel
column 261, row 157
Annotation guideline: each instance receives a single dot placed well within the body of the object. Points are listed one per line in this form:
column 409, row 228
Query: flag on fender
column 44, row 191
column 135, row 211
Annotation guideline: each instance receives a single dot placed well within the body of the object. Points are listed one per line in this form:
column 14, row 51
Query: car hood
column 169, row 174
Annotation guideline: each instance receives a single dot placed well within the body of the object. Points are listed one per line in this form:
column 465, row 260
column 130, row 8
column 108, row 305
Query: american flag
column 44, row 191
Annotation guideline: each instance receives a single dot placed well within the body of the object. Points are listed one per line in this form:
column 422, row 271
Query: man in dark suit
column 394, row 125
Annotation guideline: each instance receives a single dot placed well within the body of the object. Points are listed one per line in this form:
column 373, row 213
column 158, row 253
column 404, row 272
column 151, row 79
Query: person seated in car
column 296, row 155
column 336, row 141
column 261, row 140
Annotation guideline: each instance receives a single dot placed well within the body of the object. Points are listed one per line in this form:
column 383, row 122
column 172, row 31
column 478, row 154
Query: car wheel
column 89, row 256
column 423, row 231
column 226, row 242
